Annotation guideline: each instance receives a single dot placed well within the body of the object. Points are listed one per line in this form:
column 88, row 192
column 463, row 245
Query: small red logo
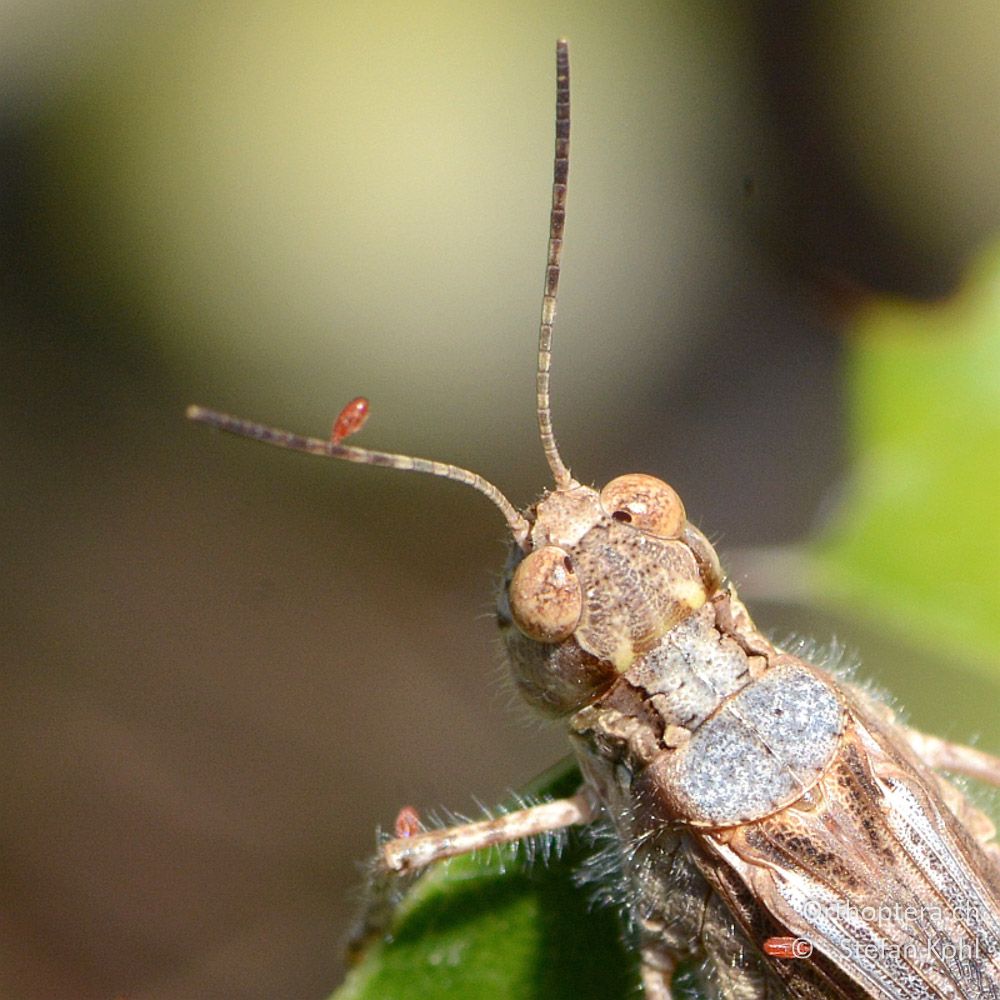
column 788, row 947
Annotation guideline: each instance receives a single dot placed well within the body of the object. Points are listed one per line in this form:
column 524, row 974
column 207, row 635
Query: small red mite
column 408, row 822
column 350, row 419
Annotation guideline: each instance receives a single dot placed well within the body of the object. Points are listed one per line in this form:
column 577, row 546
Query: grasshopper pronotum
column 775, row 823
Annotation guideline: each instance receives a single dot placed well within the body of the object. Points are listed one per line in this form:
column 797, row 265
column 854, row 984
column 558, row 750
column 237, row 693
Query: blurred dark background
column 224, row 665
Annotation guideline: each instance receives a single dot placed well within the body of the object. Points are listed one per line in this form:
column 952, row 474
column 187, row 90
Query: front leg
column 401, row 860
column 411, row 853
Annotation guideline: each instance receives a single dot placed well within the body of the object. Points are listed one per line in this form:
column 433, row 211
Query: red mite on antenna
column 350, row 419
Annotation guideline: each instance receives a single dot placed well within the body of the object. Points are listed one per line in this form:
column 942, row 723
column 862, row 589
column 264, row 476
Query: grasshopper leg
column 932, row 750
column 403, row 859
column 954, row 757
column 657, row 974
column 409, row 854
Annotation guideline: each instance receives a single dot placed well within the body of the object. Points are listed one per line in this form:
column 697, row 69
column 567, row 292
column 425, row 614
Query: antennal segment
column 557, row 220
column 332, row 449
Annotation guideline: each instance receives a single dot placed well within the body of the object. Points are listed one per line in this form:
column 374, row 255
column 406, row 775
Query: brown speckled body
column 752, row 795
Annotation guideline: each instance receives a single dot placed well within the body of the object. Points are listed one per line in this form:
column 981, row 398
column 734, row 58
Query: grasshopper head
column 602, row 577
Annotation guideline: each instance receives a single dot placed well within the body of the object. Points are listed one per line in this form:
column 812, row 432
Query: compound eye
column 546, row 599
column 645, row 502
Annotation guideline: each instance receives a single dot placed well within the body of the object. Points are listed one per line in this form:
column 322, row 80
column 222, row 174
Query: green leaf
column 916, row 544
column 500, row 926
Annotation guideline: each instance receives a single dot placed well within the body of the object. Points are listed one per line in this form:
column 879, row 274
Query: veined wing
column 874, row 870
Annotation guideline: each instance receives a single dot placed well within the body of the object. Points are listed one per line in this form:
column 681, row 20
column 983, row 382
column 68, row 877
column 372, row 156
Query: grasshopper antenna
column 347, row 423
column 354, row 413
column 557, row 220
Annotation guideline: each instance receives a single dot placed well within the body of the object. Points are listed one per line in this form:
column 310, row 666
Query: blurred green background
column 223, row 665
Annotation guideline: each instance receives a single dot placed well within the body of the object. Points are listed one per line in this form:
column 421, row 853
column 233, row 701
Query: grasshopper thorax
column 602, row 576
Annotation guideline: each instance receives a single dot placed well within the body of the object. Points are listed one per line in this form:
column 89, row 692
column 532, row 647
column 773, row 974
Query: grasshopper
column 775, row 824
